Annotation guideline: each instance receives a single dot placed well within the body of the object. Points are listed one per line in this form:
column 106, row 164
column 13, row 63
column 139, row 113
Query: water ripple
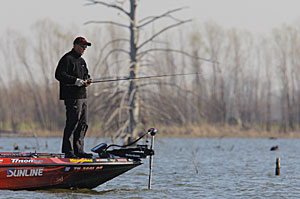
column 191, row 168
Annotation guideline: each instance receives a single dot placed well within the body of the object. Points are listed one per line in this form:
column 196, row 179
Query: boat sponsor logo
column 101, row 160
column 81, row 160
column 1, row 160
column 18, row 161
column 21, row 160
column 13, row 172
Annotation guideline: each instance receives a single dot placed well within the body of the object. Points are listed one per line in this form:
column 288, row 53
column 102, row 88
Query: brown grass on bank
column 188, row 131
column 222, row 131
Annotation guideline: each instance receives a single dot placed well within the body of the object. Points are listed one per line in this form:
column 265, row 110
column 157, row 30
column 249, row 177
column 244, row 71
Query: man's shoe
column 84, row 155
column 69, row 155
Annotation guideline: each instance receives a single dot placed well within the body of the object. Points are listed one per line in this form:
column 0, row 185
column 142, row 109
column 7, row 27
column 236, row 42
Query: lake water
column 189, row 168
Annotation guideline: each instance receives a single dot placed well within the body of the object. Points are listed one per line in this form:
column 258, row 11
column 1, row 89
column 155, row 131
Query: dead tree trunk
column 134, row 66
column 137, row 52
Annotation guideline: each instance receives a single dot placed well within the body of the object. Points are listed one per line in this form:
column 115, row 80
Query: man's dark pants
column 76, row 126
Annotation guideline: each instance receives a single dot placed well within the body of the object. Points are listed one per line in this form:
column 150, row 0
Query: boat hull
column 46, row 173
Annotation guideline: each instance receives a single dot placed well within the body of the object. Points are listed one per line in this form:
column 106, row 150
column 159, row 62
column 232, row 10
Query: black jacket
column 70, row 67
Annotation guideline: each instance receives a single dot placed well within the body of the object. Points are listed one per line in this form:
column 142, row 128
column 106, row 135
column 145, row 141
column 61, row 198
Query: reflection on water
column 189, row 168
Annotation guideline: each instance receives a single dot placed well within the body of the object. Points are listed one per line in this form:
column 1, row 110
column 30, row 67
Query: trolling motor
column 152, row 132
column 136, row 153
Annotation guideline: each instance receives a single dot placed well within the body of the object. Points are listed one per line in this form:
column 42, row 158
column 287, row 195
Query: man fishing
column 72, row 74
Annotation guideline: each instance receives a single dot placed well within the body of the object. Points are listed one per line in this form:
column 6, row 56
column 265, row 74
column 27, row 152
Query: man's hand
column 79, row 82
column 88, row 82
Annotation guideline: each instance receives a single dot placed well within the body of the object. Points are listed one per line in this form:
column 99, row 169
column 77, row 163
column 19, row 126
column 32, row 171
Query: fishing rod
column 101, row 80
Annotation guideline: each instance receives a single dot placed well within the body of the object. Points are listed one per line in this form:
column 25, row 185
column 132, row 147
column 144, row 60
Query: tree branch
column 161, row 31
column 113, row 51
column 105, row 46
column 154, row 18
column 177, row 51
column 189, row 91
column 93, row 2
column 107, row 22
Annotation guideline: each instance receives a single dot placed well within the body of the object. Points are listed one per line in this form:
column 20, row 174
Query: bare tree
column 215, row 43
column 265, row 57
column 137, row 50
column 281, row 38
column 256, row 81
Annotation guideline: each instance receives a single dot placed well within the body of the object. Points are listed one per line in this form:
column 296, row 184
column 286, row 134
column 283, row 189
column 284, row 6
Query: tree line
column 239, row 77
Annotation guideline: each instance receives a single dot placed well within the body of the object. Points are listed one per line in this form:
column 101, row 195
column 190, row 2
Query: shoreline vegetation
column 247, row 90
column 188, row 131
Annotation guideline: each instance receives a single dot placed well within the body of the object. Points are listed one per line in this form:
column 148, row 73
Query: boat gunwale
column 79, row 163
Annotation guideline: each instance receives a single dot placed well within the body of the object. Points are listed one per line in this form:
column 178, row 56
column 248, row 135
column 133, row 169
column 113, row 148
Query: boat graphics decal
column 99, row 168
column 57, row 160
column 59, row 179
column 88, row 168
column 21, row 161
column 102, row 160
column 77, row 168
column 68, row 169
column 81, row 160
column 27, row 172
column 18, row 161
column 122, row 160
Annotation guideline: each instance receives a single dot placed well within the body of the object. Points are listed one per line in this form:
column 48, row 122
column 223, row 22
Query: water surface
column 188, row 168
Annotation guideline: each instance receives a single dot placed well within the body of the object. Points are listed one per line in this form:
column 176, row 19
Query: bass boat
column 35, row 171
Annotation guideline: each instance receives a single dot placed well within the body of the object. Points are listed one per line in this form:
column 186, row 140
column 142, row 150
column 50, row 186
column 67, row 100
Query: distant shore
column 189, row 131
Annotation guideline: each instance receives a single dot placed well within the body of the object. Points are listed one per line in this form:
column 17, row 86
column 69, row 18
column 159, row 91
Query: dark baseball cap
column 81, row 41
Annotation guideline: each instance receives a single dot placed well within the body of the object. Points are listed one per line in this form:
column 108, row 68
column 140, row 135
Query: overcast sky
column 254, row 15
